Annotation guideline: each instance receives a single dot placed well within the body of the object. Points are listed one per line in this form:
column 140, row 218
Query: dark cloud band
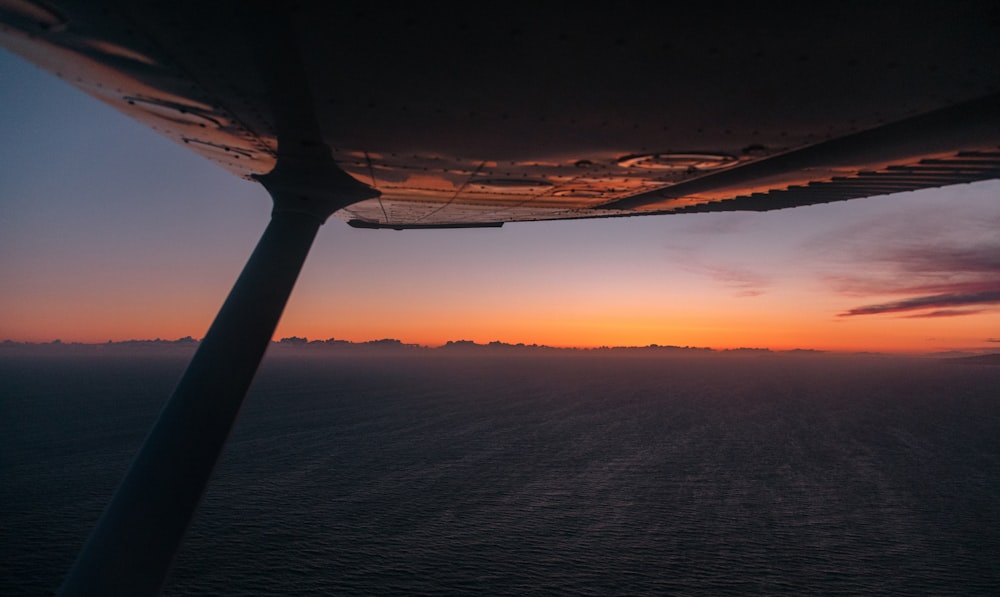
column 938, row 301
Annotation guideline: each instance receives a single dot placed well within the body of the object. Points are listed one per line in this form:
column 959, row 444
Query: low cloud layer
column 939, row 281
column 945, row 313
column 937, row 301
column 931, row 281
column 929, row 254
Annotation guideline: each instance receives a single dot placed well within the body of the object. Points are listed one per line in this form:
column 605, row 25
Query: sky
column 110, row 232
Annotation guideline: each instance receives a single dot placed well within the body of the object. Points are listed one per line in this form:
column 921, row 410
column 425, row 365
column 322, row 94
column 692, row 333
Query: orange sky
column 109, row 232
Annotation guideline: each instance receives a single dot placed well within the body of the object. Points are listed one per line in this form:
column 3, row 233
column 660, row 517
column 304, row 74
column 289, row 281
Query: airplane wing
column 462, row 116
column 433, row 114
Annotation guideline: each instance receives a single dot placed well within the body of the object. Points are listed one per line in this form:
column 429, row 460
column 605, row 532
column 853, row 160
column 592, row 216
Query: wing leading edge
column 542, row 113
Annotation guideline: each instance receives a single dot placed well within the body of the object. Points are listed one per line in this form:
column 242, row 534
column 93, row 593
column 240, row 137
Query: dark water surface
column 573, row 475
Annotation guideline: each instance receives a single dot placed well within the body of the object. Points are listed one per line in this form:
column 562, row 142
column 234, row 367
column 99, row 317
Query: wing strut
column 133, row 545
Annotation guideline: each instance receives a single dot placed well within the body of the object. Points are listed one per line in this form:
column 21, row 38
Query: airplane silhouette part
column 451, row 115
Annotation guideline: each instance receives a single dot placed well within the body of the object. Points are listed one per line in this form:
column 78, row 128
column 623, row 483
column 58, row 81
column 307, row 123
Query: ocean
column 576, row 474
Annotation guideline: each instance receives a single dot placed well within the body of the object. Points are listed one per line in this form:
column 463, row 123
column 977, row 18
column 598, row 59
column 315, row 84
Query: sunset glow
column 109, row 232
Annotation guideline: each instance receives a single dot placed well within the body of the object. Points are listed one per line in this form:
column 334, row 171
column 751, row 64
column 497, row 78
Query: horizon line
column 292, row 342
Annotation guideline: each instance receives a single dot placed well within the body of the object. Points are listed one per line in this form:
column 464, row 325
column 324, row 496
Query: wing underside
column 543, row 114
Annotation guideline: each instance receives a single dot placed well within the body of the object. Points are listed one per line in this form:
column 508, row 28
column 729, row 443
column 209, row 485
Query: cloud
column 928, row 254
column 944, row 313
column 743, row 281
column 934, row 278
column 929, row 302
column 923, row 270
column 702, row 247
